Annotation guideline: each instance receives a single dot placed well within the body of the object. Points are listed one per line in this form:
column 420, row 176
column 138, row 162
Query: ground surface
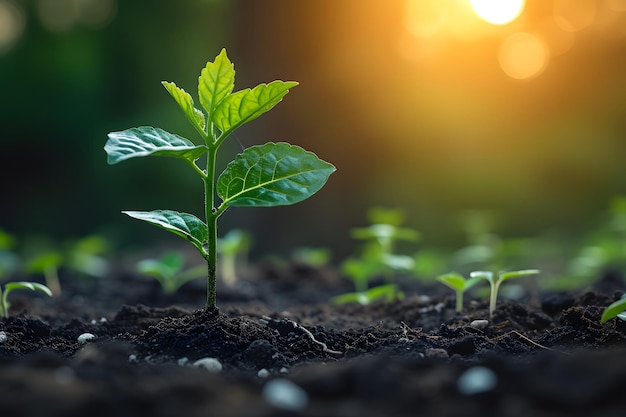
column 542, row 356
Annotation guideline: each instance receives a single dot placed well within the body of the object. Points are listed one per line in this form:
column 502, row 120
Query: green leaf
column 273, row 174
column 149, row 141
column 182, row 224
column 518, row 274
column 613, row 310
column 184, row 100
column 488, row 275
column 25, row 285
column 216, row 82
column 452, row 280
column 246, row 105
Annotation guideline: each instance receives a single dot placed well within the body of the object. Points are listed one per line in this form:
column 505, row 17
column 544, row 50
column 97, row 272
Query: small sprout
column 459, row 284
column 47, row 263
column 168, row 271
column 233, row 247
column 389, row 292
column 210, row 364
column 85, row 337
column 615, row 309
column 21, row 285
column 317, row 257
column 495, row 284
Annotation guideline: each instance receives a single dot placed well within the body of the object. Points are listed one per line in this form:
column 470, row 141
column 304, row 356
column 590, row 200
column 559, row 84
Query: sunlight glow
column 498, row 12
column 523, row 56
column 12, row 22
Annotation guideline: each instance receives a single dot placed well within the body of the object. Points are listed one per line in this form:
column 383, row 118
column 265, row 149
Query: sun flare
column 498, row 12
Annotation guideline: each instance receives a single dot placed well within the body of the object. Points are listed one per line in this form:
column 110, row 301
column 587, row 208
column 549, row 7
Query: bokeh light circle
column 498, row 12
column 523, row 56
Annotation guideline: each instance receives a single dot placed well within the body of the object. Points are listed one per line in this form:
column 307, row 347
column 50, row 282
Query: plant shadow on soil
column 548, row 356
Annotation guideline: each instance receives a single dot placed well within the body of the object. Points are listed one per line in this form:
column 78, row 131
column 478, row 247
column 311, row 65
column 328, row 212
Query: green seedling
column 495, row 283
column 168, row 270
column 389, row 292
column 317, row 257
column 381, row 237
column 459, row 284
column 47, row 264
column 9, row 287
column 273, row 174
column 233, row 247
column 615, row 309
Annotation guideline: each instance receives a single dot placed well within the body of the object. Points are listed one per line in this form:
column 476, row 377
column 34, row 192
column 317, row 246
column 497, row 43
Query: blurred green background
column 421, row 105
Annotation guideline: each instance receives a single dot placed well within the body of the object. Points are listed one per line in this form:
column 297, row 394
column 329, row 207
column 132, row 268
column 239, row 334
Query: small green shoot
column 47, row 263
column 459, row 284
column 233, row 247
column 168, row 270
column 615, row 309
column 495, row 284
column 387, row 291
column 9, row 287
column 273, row 174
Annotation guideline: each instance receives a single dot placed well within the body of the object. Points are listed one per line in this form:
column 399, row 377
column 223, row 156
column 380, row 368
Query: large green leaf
column 184, row 100
column 182, row 224
column 149, row 141
column 273, row 174
column 216, row 81
column 246, row 105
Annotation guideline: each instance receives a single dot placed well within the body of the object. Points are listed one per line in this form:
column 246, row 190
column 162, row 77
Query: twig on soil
column 276, row 324
column 532, row 342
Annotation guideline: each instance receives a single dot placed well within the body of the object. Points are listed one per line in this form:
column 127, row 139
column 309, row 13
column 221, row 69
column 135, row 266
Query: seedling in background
column 233, row 248
column 459, row 284
column 361, row 271
column 47, row 264
column 381, row 237
column 168, row 270
column 495, row 284
column 615, row 309
column 9, row 287
column 273, row 174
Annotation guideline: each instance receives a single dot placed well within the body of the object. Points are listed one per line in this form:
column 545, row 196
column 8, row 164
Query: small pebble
column 263, row 373
column 85, row 337
column 284, row 394
column 182, row 361
column 477, row 380
column 132, row 358
column 283, row 370
column 210, row 364
column 479, row 324
column 3, row 337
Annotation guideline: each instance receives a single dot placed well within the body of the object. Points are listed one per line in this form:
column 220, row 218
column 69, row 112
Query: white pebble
column 284, row 394
column 210, row 364
column 283, row 370
column 85, row 337
column 476, row 380
column 263, row 373
column 3, row 337
column 479, row 324
column 182, row 361
column 132, row 358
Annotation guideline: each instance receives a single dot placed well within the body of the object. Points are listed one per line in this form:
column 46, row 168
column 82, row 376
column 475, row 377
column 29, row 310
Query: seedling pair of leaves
column 460, row 285
column 268, row 175
column 9, row 287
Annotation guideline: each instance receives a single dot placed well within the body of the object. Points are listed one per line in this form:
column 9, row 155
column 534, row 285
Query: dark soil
column 543, row 356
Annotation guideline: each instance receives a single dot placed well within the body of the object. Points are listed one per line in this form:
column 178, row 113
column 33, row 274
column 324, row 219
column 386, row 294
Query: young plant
column 495, row 283
column 9, row 287
column 267, row 175
column 361, row 271
column 615, row 309
column 168, row 270
column 459, row 284
column 47, row 263
column 232, row 247
column 381, row 237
